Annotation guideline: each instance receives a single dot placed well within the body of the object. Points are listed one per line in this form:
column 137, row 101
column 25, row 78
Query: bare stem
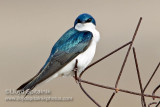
column 124, row 62
column 88, row 95
column 110, row 99
column 126, row 57
column 155, row 90
column 151, row 104
column 139, row 78
column 151, row 77
column 116, row 50
column 158, row 104
column 121, row 90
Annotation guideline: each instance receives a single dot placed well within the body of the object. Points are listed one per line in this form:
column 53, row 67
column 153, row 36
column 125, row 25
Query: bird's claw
column 75, row 71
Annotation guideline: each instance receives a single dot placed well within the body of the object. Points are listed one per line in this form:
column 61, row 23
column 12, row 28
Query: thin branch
column 127, row 54
column 158, row 104
column 151, row 104
column 88, row 95
column 110, row 99
column 151, row 77
column 155, row 90
column 77, row 79
column 139, row 78
column 121, row 90
column 119, row 76
column 116, row 50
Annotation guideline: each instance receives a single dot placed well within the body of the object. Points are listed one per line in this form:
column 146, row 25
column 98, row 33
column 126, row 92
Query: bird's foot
column 75, row 71
column 75, row 76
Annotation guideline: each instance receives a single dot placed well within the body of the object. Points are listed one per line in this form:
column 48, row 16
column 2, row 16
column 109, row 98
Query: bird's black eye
column 78, row 21
column 89, row 20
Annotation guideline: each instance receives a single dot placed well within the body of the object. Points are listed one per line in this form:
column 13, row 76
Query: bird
column 77, row 44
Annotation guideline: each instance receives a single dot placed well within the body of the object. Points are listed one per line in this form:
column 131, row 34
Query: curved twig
column 88, row 95
column 158, row 104
column 151, row 104
column 155, row 91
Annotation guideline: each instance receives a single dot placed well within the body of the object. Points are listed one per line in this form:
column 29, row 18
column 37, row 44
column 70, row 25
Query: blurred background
column 29, row 29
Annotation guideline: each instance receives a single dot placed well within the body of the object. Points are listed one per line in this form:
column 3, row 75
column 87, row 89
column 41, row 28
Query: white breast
column 84, row 58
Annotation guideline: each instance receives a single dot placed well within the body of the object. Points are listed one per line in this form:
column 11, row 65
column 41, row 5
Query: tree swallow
column 78, row 43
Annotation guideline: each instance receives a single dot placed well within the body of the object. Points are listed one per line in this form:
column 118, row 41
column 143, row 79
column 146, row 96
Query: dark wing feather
column 65, row 53
column 70, row 45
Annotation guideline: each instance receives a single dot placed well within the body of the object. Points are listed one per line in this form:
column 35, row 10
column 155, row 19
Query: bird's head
column 84, row 19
